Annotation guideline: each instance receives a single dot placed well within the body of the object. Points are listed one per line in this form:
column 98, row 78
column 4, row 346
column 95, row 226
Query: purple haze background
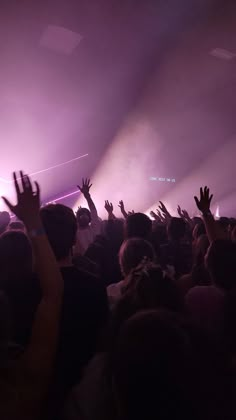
column 141, row 95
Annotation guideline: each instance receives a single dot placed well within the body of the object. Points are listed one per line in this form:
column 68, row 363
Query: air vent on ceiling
column 60, row 39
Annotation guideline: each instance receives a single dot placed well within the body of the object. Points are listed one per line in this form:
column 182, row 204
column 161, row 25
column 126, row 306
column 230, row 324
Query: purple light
column 63, row 196
column 6, row 181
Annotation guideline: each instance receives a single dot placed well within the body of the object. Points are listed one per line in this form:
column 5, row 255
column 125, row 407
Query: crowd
column 121, row 319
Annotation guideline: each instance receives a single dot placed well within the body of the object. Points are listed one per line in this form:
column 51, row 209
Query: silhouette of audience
column 125, row 318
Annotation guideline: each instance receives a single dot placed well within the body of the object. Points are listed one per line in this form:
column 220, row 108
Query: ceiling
column 135, row 57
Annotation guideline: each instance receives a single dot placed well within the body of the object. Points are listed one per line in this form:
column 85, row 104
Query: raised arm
column 122, row 209
column 85, row 190
column 37, row 360
column 203, row 203
column 109, row 208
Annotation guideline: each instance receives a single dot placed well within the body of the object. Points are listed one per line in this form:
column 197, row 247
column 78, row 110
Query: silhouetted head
column 132, row 252
column 4, row 220
column 61, row 227
column 221, row 263
column 138, row 225
column 152, row 367
column 83, row 217
column 16, row 258
column 164, row 368
column 176, row 229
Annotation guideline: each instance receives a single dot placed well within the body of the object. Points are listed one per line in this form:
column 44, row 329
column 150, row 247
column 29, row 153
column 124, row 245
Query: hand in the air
column 204, row 202
column 85, row 186
column 164, row 210
column 122, row 206
column 179, row 210
column 28, row 201
column 109, row 207
column 154, row 215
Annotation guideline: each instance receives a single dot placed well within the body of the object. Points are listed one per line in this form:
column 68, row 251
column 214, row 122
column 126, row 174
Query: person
column 206, row 303
column 199, row 275
column 177, row 253
column 164, row 368
column 131, row 254
column 146, row 288
column 137, row 225
column 24, row 380
column 85, row 305
column 89, row 224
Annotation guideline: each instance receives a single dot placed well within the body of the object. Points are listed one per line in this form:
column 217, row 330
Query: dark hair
column 146, row 288
column 221, row 263
column 60, row 225
column 138, row 225
column 163, row 367
column 81, row 211
column 176, row 228
column 16, row 260
column 132, row 252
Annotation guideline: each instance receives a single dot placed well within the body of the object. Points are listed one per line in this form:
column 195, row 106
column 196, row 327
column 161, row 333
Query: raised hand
column 179, row 210
column 28, row 201
column 162, row 218
column 122, row 206
column 204, row 202
column 154, row 215
column 109, row 207
column 131, row 212
column 164, row 210
column 85, row 187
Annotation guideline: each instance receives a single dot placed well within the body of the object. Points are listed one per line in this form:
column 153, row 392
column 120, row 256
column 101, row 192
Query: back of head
column 132, row 252
column 138, row 225
column 152, row 368
column 176, row 229
column 221, row 263
column 4, row 221
column 15, row 256
column 164, row 368
column 83, row 217
column 60, row 225
column 147, row 287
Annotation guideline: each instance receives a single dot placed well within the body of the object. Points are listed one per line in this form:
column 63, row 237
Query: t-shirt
column 84, row 313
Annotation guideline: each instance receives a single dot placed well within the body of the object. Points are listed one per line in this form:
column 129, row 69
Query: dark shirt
column 83, row 316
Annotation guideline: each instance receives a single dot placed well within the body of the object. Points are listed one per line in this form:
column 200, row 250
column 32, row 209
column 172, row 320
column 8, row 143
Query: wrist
column 206, row 213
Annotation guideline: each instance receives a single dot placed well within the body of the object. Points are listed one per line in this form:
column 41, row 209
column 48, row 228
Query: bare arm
column 85, row 189
column 109, row 208
column 122, row 209
column 37, row 360
column 203, row 203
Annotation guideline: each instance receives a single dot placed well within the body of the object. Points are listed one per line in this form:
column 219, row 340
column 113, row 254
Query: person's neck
column 65, row 262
